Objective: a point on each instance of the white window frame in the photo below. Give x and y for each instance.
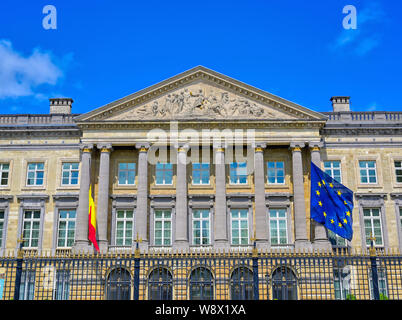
(397, 168)
(2, 171)
(35, 171)
(275, 170)
(367, 169)
(124, 219)
(70, 170)
(201, 170)
(68, 219)
(126, 171)
(163, 170)
(239, 219)
(277, 219)
(200, 220)
(237, 175)
(371, 218)
(331, 169)
(163, 219)
(31, 221)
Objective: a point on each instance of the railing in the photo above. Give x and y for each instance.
(36, 119)
(207, 275)
(374, 116)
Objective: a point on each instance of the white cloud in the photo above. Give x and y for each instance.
(21, 76)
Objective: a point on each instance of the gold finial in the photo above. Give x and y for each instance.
(372, 249)
(20, 252)
(137, 249)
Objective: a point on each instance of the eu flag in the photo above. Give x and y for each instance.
(331, 203)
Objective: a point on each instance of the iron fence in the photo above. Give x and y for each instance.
(202, 276)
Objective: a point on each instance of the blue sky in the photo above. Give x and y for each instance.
(104, 50)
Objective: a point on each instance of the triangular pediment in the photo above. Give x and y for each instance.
(200, 94)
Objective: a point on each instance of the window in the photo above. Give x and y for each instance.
(276, 172)
(126, 174)
(4, 173)
(400, 217)
(66, 230)
(30, 232)
(201, 284)
(201, 173)
(1, 227)
(336, 241)
(398, 171)
(70, 173)
(160, 284)
(342, 279)
(118, 284)
(238, 173)
(368, 172)
(333, 169)
(62, 285)
(27, 286)
(35, 174)
(284, 284)
(124, 227)
(164, 173)
(242, 284)
(239, 223)
(201, 227)
(382, 283)
(163, 228)
(372, 225)
(278, 226)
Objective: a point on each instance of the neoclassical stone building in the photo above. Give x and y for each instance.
(197, 160)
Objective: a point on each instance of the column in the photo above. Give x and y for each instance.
(220, 221)
(301, 240)
(261, 216)
(81, 226)
(181, 238)
(320, 234)
(141, 212)
(103, 195)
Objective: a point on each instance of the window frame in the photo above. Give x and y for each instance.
(201, 170)
(371, 218)
(277, 219)
(163, 220)
(239, 229)
(35, 171)
(367, 169)
(124, 220)
(5, 171)
(275, 170)
(70, 171)
(201, 219)
(236, 175)
(332, 168)
(32, 220)
(59, 219)
(163, 170)
(127, 171)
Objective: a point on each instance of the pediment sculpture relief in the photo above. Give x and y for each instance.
(188, 104)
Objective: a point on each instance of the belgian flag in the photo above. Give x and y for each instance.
(92, 221)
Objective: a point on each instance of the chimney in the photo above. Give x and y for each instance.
(340, 104)
(60, 105)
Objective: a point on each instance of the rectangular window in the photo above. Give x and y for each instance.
(368, 172)
(372, 226)
(239, 226)
(336, 241)
(238, 173)
(69, 174)
(164, 173)
(1, 227)
(27, 286)
(62, 285)
(126, 174)
(201, 227)
(35, 174)
(124, 227)
(66, 230)
(382, 283)
(398, 171)
(201, 173)
(276, 172)
(278, 226)
(31, 226)
(400, 217)
(163, 228)
(4, 173)
(333, 169)
(342, 283)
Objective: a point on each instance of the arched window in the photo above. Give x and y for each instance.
(160, 284)
(241, 284)
(201, 284)
(284, 284)
(118, 284)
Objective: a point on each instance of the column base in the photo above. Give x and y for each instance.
(83, 246)
(221, 244)
(262, 244)
(103, 246)
(322, 244)
(303, 244)
(181, 245)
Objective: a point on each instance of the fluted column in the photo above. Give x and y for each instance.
(261, 216)
(141, 213)
(220, 222)
(320, 234)
(181, 238)
(81, 227)
(103, 195)
(301, 240)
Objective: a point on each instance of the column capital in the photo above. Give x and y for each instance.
(315, 146)
(87, 147)
(297, 146)
(142, 146)
(105, 147)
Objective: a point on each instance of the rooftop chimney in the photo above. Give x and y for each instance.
(60, 105)
(340, 104)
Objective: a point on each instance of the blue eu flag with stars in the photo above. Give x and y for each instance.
(331, 203)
